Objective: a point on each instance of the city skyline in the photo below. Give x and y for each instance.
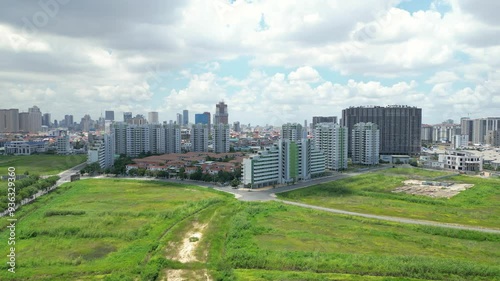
(417, 53)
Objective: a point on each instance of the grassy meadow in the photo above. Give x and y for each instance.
(104, 228)
(39, 164)
(371, 193)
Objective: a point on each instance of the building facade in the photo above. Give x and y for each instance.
(153, 118)
(323, 119)
(399, 125)
(221, 114)
(199, 138)
(221, 138)
(332, 140)
(365, 144)
(9, 120)
(461, 161)
(292, 131)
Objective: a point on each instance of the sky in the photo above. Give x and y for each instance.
(272, 62)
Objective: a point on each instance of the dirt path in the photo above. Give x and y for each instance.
(187, 250)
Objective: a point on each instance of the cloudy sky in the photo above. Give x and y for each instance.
(270, 61)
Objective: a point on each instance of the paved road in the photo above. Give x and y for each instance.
(393, 219)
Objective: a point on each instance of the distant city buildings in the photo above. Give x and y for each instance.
(365, 144)
(221, 138)
(153, 118)
(221, 114)
(292, 131)
(400, 126)
(179, 119)
(9, 120)
(202, 118)
(127, 117)
(109, 115)
(185, 117)
(199, 138)
(323, 119)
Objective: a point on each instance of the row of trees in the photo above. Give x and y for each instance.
(25, 188)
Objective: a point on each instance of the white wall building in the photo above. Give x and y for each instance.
(365, 144)
(461, 161)
(25, 147)
(102, 151)
(263, 168)
(62, 145)
(199, 138)
(460, 141)
(138, 140)
(331, 139)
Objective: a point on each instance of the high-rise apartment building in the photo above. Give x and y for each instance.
(179, 119)
(237, 126)
(199, 138)
(153, 118)
(399, 125)
(332, 140)
(365, 144)
(185, 117)
(46, 120)
(102, 151)
(221, 114)
(324, 119)
(426, 134)
(109, 115)
(209, 119)
(292, 131)
(221, 138)
(68, 121)
(86, 123)
(34, 119)
(138, 140)
(62, 143)
(466, 126)
(24, 122)
(9, 120)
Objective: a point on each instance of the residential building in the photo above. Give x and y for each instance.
(179, 119)
(263, 168)
(9, 120)
(137, 139)
(221, 114)
(24, 122)
(365, 144)
(237, 126)
(120, 133)
(467, 127)
(292, 132)
(139, 119)
(153, 118)
(323, 119)
(399, 125)
(493, 138)
(109, 115)
(102, 151)
(68, 121)
(34, 119)
(46, 120)
(461, 161)
(209, 119)
(445, 132)
(86, 123)
(426, 135)
(221, 138)
(332, 140)
(62, 144)
(460, 141)
(199, 138)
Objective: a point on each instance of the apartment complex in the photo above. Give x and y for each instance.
(399, 125)
(331, 140)
(365, 144)
(221, 138)
(199, 138)
(102, 151)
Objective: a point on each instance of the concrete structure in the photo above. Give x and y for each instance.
(46, 120)
(292, 132)
(24, 122)
(445, 132)
(25, 147)
(237, 126)
(185, 117)
(460, 141)
(263, 168)
(153, 118)
(137, 140)
(9, 120)
(68, 121)
(400, 126)
(323, 119)
(461, 161)
(63, 145)
(221, 114)
(102, 151)
(493, 138)
(426, 134)
(466, 127)
(199, 138)
(109, 115)
(331, 140)
(221, 138)
(34, 119)
(179, 119)
(365, 144)
(139, 119)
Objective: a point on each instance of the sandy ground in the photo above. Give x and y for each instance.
(187, 249)
(186, 275)
(417, 188)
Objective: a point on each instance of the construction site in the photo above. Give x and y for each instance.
(432, 188)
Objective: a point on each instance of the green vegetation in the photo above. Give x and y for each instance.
(283, 238)
(24, 188)
(100, 227)
(40, 164)
(371, 193)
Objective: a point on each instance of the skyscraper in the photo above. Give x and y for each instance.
(199, 138)
(34, 119)
(221, 114)
(209, 119)
(46, 120)
(400, 126)
(185, 117)
(127, 117)
(221, 138)
(292, 132)
(202, 119)
(68, 121)
(109, 115)
(331, 139)
(153, 118)
(179, 119)
(365, 144)
(24, 122)
(9, 120)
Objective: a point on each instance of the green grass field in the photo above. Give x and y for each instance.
(116, 229)
(42, 164)
(100, 228)
(371, 193)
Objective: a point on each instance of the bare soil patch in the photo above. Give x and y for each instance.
(432, 189)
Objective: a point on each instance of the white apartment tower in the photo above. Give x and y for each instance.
(365, 144)
(138, 140)
(221, 138)
(331, 139)
(199, 138)
(291, 131)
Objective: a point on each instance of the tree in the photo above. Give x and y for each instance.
(398, 162)
(414, 163)
(235, 183)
